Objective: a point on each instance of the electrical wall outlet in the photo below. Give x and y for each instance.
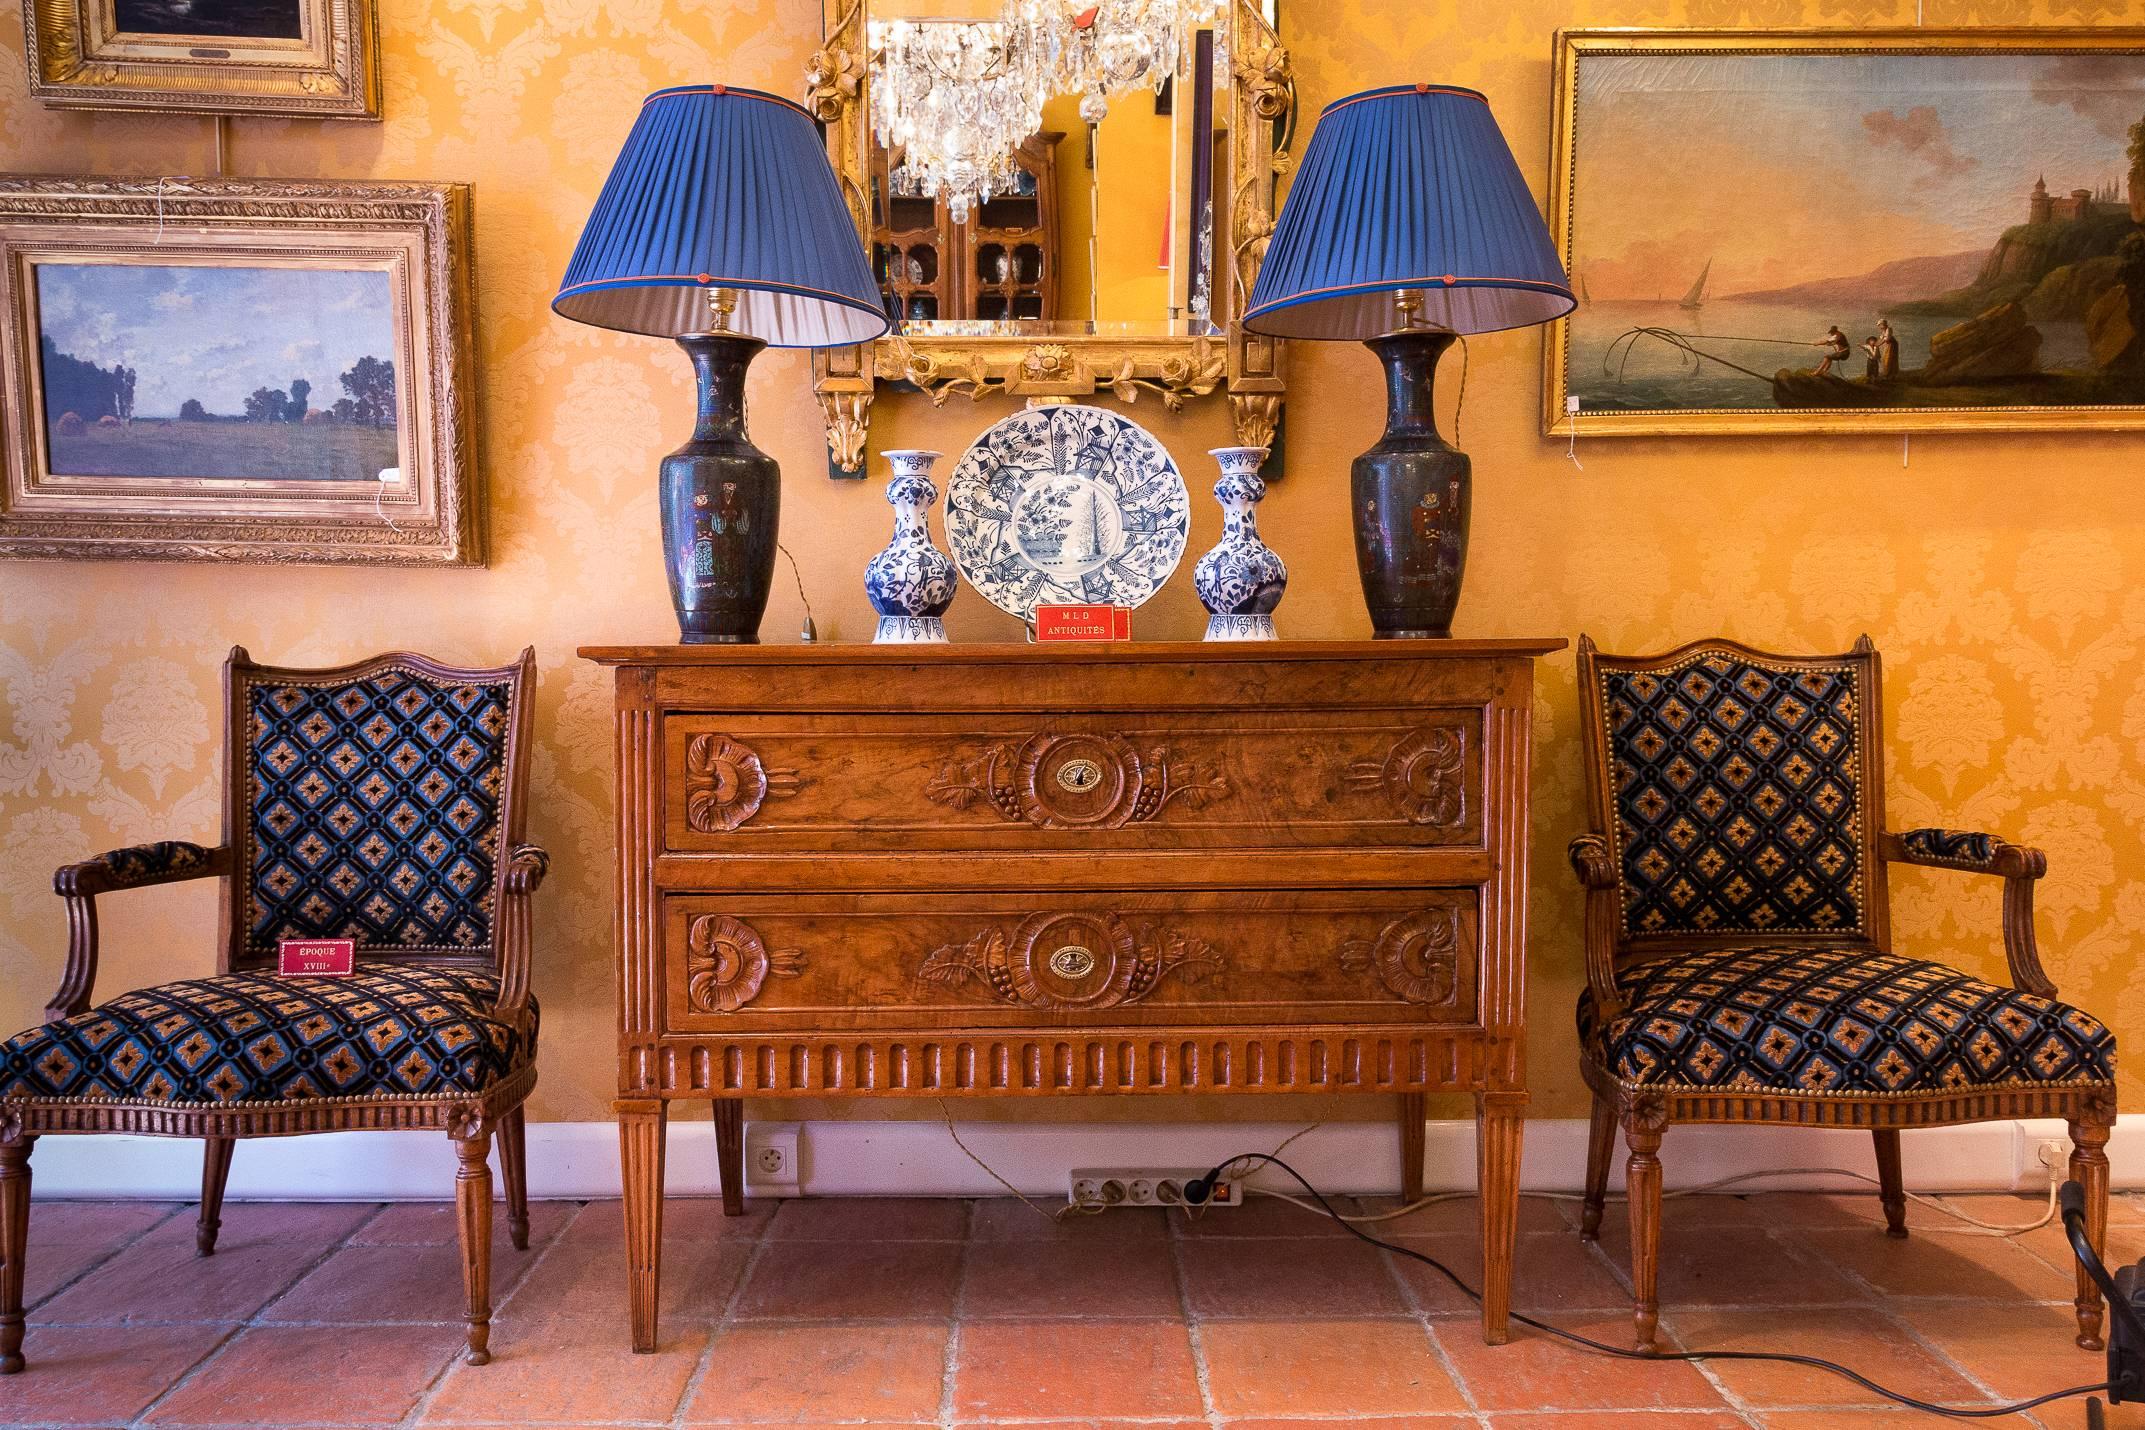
(772, 1166)
(1144, 1187)
(2054, 1153)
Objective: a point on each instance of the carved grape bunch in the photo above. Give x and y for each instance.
(1070, 961)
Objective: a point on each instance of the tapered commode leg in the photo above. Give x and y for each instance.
(730, 1152)
(640, 1149)
(1498, 1127)
(1411, 1146)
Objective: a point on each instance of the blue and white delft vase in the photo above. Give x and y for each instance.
(911, 582)
(1241, 580)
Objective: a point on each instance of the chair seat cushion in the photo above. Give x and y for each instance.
(389, 1030)
(1814, 1021)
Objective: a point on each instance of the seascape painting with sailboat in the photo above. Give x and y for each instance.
(1856, 232)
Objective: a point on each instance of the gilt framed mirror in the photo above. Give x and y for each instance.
(1060, 199)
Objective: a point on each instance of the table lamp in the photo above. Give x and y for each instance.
(1407, 225)
(722, 226)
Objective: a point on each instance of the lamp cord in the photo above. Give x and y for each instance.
(1992, 1412)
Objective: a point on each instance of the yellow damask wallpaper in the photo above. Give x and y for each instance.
(2004, 578)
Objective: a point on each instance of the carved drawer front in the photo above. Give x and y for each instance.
(859, 961)
(1401, 777)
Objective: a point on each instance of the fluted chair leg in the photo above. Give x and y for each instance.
(514, 1170)
(1600, 1143)
(215, 1174)
(473, 1219)
(2089, 1169)
(1891, 1181)
(1642, 1188)
(14, 1241)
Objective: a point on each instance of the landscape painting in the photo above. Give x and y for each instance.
(1879, 231)
(218, 372)
(238, 370)
(249, 19)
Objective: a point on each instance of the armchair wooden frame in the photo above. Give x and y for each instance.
(469, 1122)
(1646, 1112)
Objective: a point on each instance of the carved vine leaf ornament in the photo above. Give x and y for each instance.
(725, 783)
(1053, 781)
(1422, 774)
(1071, 961)
(726, 962)
(1417, 957)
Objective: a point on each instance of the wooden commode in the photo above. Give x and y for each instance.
(1026, 871)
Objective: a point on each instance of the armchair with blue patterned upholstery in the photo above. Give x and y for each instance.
(380, 802)
(1739, 955)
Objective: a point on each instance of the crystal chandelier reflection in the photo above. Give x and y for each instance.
(1099, 49)
(954, 99)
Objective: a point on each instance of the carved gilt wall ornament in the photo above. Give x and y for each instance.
(1073, 781)
(1071, 961)
(725, 783)
(1417, 957)
(1423, 774)
(726, 962)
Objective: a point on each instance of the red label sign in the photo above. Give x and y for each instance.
(1083, 623)
(316, 957)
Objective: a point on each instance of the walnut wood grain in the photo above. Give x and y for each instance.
(1124, 870)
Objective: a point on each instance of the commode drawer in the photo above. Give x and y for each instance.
(1357, 778)
(1218, 958)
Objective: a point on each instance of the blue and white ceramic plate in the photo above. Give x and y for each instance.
(1067, 505)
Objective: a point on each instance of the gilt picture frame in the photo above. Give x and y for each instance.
(310, 58)
(238, 370)
(1862, 231)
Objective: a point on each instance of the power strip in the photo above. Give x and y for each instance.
(1144, 1187)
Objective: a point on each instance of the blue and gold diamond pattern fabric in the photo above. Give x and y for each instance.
(1836, 1020)
(373, 810)
(1738, 807)
(385, 1031)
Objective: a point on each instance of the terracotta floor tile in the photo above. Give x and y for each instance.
(263, 1249)
(873, 1280)
(1397, 1422)
(603, 1223)
(1261, 1216)
(1462, 1216)
(432, 1223)
(1536, 1372)
(68, 1238)
(94, 1375)
(1065, 1279)
(1634, 1420)
(1324, 1368)
(1263, 1279)
(589, 1283)
(1872, 1417)
(1005, 1219)
(392, 1284)
(1982, 1268)
(1867, 1341)
(1075, 1368)
(1552, 1271)
(2017, 1351)
(871, 1219)
(1765, 1210)
(354, 1375)
(1718, 1266)
(567, 1371)
(797, 1373)
(2126, 1239)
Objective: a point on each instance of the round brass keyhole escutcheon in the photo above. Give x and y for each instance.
(1072, 961)
(1078, 776)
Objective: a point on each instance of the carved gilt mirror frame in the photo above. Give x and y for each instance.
(1246, 367)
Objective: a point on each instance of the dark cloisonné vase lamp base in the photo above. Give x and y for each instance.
(1407, 225)
(722, 226)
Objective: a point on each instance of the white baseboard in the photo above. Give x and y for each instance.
(580, 1159)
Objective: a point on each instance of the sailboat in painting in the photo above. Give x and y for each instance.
(1696, 298)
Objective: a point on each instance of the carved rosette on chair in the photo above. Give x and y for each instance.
(722, 226)
(911, 582)
(1408, 225)
(1240, 580)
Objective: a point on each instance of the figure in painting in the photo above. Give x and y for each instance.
(1870, 352)
(1887, 350)
(1836, 348)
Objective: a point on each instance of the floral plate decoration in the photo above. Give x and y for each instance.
(1067, 505)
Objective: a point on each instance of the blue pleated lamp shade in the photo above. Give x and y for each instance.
(1410, 188)
(723, 188)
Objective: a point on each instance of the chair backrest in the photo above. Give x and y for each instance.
(1741, 793)
(376, 801)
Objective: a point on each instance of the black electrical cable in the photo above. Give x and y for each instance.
(1197, 1192)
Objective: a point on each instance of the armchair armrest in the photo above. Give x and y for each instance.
(526, 865)
(139, 866)
(2018, 865)
(1596, 868)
